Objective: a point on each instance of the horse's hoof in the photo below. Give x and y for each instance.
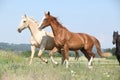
(90, 67)
(46, 62)
(56, 63)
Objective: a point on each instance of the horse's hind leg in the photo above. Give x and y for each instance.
(92, 55)
(76, 55)
(89, 55)
(86, 54)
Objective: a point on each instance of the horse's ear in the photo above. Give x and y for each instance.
(48, 13)
(117, 32)
(25, 15)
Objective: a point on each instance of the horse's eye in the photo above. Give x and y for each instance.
(24, 21)
(46, 19)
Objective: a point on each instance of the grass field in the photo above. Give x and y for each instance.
(15, 67)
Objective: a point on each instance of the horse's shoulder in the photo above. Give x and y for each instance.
(32, 38)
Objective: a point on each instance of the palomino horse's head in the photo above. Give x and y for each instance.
(23, 23)
(115, 36)
(46, 21)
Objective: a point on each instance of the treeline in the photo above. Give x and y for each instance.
(25, 49)
(14, 47)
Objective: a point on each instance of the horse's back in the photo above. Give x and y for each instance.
(88, 40)
(50, 34)
(86, 37)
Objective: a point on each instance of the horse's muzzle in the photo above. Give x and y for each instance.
(113, 42)
(40, 28)
(19, 30)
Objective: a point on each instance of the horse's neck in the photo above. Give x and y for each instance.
(56, 28)
(36, 34)
(33, 27)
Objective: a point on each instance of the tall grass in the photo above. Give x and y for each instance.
(15, 67)
(45, 54)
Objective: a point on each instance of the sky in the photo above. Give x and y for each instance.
(98, 18)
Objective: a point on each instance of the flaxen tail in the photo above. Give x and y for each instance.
(98, 47)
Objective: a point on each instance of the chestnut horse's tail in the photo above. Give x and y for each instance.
(98, 47)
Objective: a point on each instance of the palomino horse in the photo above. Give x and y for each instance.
(116, 40)
(69, 40)
(39, 39)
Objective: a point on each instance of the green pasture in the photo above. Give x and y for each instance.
(14, 66)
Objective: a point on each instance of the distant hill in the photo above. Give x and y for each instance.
(14, 47)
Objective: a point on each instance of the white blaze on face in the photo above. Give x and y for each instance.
(41, 21)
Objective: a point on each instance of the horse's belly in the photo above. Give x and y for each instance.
(34, 43)
(59, 44)
(50, 44)
(75, 46)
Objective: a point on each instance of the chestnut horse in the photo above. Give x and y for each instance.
(39, 39)
(65, 39)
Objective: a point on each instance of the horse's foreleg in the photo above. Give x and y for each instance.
(51, 55)
(118, 58)
(32, 53)
(40, 54)
(63, 56)
(66, 49)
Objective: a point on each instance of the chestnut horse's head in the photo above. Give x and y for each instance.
(115, 37)
(46, 21)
